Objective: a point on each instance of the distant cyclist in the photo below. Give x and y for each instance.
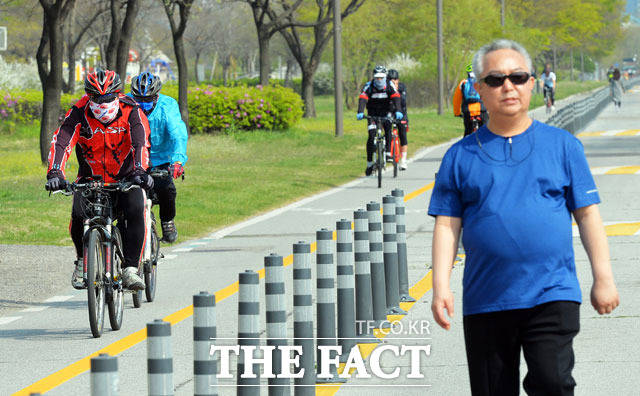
(377, 95)
(403, 127)
(548, 79)
(467, 103)
(111, 137)
(168, 144)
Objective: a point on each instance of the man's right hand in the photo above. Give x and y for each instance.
(55, 184)
(360, 116)
(442, 300)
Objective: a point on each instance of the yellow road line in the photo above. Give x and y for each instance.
(84, 364)
(624, 170)
(628, 132)
(598, 133)
(622, 229)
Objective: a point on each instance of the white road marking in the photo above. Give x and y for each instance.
(35, 309)
(8, 319)
(169, 256)
(178, 250)
(58, 299)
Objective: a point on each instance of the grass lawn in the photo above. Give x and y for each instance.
(228, 178)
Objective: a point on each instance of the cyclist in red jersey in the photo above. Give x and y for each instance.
(111, 136)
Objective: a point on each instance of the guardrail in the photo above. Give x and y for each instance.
(576, 115)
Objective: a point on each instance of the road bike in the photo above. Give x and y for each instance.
(103, 250)
(151, 250)
(380, 143)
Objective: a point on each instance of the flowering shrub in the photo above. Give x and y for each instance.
(16, 75)
(25, 107)
(224, 109)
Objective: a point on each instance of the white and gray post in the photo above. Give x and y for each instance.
(104, 375)
(364, 305)
(248, 330)
(276, 320)
(326, 303)
(346, 288)
(391, 255)
(205, 365)
(376, 259)
(403, 266)
(303, 318)
(159, 358)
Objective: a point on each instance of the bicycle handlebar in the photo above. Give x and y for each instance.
(160, 173)
(385, 118)
(70, 188)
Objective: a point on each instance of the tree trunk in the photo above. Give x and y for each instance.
(128, 25)
(114, 37)
(71, 82)
(195, 67)
(183, 78)
(570, 64)
(50, 70)
(265, 57)
(581, 64)
(307, 93)
(213, 66)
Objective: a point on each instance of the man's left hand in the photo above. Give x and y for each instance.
(604, 296)
(176, 170)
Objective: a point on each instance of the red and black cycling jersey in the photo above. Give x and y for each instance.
(378, 101)
(402, 90)
(112, 151)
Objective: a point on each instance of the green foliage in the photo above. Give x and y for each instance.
(226, 109)
(25, 107)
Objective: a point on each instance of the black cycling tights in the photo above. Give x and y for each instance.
(166, 191)
(132, 205)
(371, 148)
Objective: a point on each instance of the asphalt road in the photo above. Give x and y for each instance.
(46, 341)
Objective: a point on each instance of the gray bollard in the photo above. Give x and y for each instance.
(248, 330)
(159, 358)
(364, 307)
(376, 258)
(346, 288)
(403, 267)
(104, 375)
(205, 365)
(276, 320)
(391, 255)
(326, 303)
(303, 318)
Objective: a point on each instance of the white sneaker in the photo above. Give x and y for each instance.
(553, 108)
(389, 157)
(403, 165)
(131, 280)
(77, 280)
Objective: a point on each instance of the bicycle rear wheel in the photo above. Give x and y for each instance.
(95, 284)
(116, 304)
(151, 269)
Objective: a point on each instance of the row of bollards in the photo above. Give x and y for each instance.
(372, 279)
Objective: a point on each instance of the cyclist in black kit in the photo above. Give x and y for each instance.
(403, 127)
(377, 95)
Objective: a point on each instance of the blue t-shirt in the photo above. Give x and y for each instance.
(515, 198)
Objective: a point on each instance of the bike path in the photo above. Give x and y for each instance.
(52, 344)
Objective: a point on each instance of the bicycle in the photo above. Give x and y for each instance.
(151, 251)
(395, 148)
(103, 250)
(379, 141)
(547, 99)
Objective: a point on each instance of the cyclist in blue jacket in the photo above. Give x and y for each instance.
(168, 144)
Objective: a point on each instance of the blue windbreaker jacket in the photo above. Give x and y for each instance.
(168, 132)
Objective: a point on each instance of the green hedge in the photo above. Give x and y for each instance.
(211, 109)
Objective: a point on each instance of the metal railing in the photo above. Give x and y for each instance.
(576, 115)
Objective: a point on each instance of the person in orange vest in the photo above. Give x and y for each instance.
(468, 104)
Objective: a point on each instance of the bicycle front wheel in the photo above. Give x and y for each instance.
(395, 153)
(116, 303)
(95, 283)
(151, 269)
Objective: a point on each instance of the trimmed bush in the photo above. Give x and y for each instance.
(227, 109)
(211, 109)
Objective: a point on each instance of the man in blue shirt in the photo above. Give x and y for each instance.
(168, 144)
(513, 185)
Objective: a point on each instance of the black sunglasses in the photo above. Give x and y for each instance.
(104, 98)
(145, 99)
(496, 80)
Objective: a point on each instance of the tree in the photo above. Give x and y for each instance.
(308, 60)
(120, 38)
(177, 31)
(49, 59)
(269, 20)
